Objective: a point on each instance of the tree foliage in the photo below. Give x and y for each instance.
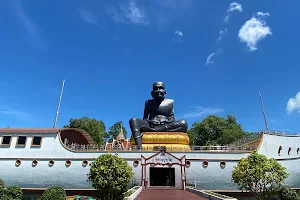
(54, 193)
(214, 130)
(259, 175)
(10, 193)
(14, 191)
(110, 176)
(288, 194)
(1, 184)
(95, 128)
(115, 129)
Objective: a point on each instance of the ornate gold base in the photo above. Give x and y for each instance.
(174, 141)
(170, 147)
(164, 138)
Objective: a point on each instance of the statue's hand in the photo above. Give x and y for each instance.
(156, 123)
(150, 122)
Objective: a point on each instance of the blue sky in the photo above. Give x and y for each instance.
(214, 57)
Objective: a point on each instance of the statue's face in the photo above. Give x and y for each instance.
(158, 91)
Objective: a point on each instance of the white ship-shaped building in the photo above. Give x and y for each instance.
(36, 159)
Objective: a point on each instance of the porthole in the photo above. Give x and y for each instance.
(279, 150)
(289, 151)
(18, 163)
(68, 163)
(205, 163)
(135, 163)
(51, 163)
(85, 163)
(34, 163)
(187, 163)
(298, 150)
(222, 164)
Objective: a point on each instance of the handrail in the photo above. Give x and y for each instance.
(96, 147)
(223, 148)
(245, 140)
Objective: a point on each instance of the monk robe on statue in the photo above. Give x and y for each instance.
(158, 116)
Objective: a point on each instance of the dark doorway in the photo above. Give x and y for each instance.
(160, 176)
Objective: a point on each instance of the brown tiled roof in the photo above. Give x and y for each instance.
(29, 130)
(47, 131)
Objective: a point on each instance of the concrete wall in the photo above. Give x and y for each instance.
(75, 176)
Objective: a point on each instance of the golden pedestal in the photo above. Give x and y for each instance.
(174, 141)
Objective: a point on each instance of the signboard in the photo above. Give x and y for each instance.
(159, 148)
(163, 158)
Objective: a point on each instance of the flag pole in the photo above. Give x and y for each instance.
(59, 101)
(263, 111)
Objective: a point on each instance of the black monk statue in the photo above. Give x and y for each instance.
(158, 116)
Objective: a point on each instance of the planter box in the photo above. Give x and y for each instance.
(135, 194)
(207, 195)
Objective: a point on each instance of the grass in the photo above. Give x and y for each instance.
(131, 191)
(128, 193)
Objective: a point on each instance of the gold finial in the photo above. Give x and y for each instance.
(121, 134)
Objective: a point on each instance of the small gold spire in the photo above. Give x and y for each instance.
(121, 136)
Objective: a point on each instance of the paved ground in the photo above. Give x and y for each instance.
(153, 194)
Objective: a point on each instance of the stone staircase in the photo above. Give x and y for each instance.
(165, 193)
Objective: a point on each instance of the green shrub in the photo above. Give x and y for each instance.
(1, 184)
(10, 193)
(110, 175)
(257, 169)
(6, 197)
(288, 194)
(54, 193)
(14, 191)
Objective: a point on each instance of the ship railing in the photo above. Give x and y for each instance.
(247, 139)
(191, 183)
(96, 147)
(134, 182)
(282, 132)
(223, 148)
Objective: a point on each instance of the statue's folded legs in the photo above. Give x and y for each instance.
(138, 126)
(158, 116)
(135, 126)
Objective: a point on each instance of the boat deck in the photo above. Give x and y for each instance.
(160, 193)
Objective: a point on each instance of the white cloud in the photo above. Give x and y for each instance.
(198, 111)
(263, 14)
(157, 12)
(222, 32)
(89, 16)
(16, 114)
(32, 29)
(234, 6)
(178, 33)
(293, 104)
(254, 30)
(129, 13)
(226, 19)
(208, 59)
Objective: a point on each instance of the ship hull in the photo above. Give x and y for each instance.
(216, 175)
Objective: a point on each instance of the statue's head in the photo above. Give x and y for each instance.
(158, 90)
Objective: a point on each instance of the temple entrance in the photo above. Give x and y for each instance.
(162, 176)
(161, 168)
